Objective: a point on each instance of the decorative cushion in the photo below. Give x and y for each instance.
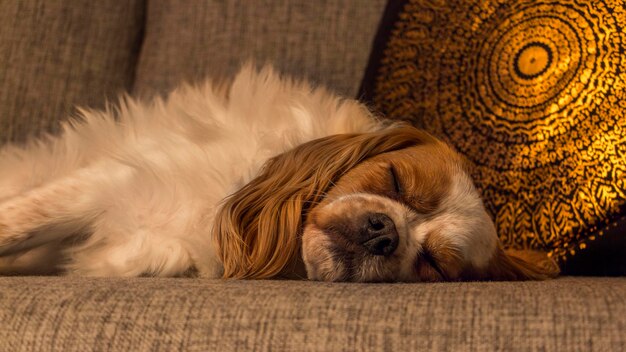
(533, 94)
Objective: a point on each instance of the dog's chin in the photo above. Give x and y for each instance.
(320, 262)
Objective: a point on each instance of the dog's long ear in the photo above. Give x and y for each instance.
(521, 265)
(257, 229)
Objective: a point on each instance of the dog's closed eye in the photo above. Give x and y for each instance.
(430, 259)
(395, 180)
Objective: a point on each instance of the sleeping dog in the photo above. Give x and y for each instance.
(263, 177)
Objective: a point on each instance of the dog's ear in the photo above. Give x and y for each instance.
(521, 265)
(257, 229)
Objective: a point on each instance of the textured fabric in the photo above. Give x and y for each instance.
(74, 314)
(325, 41)
(533, 95)
(55, 54)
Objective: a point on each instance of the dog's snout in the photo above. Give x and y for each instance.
(380, 235)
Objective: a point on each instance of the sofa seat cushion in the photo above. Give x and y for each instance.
(141, 314)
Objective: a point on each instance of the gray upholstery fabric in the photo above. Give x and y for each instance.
(326, 41)
(78, 314)
(55, 54)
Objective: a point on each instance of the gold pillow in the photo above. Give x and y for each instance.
(532, 93)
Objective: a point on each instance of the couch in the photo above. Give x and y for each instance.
(56, 55)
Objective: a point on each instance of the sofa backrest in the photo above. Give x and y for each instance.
(56, 55)
(326, 41)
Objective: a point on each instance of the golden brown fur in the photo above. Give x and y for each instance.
(258, 227)
(258, 230)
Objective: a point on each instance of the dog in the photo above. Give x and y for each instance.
(262, 177)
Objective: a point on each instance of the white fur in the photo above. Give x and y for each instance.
(145, 180)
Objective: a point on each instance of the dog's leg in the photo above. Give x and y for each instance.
(132, 236)
(57, 209)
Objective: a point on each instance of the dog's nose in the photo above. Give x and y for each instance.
(381, 237)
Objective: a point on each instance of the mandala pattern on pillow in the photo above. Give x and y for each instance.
(532, 93)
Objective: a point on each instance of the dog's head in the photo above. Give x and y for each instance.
(392, 205)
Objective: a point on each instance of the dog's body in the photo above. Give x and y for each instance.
(143, 190)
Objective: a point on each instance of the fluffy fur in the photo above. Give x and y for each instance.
(260, 178)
